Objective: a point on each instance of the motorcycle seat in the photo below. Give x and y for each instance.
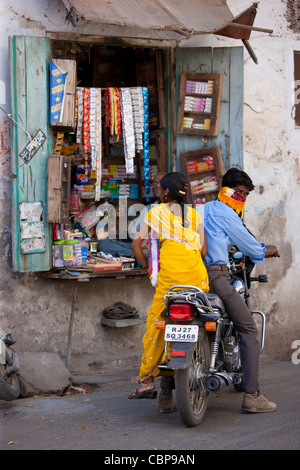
(216, 302)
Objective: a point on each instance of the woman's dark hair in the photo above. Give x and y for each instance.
(177, 185)
(235, 177)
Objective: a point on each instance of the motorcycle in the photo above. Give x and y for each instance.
(9, 368)
(201, 343)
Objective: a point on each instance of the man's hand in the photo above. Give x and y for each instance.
(270, 250)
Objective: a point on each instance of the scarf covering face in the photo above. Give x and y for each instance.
(232, 199)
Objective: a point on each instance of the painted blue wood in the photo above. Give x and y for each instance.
(229, 61)
(29, 59)
(236, 115)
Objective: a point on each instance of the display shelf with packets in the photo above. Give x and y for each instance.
(204, 170)
(199, 103)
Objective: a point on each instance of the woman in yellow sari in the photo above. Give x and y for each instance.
(179, 229)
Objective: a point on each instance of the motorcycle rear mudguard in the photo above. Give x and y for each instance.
(180, 356)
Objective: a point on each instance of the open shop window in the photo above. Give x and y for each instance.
(109, 144)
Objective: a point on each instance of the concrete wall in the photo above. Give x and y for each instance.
(271, 157)
(37, 311)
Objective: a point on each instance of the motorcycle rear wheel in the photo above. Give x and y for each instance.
(191, 395)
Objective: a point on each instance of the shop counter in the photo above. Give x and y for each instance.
(85, 276)
(81, 275)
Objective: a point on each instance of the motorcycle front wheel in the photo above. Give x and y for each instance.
(191, 395)
(9, 384)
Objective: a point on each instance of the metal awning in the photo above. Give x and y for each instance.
(184, 17)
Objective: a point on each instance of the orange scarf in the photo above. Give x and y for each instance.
(232, 199)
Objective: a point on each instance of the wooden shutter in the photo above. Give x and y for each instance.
(29, 59)
(229, 62)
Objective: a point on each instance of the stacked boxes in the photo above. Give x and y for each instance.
(207, 164)
(201, 88)
(208, 183)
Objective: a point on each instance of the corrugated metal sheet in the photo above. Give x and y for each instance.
(184, 17)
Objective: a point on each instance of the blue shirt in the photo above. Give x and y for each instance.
(224, 228)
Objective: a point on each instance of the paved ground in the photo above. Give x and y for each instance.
(106, 420)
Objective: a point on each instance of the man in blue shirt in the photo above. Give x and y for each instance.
(223, 228)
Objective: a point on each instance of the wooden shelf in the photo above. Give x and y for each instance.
(191, 159)
(201, 172)
(208, 95)
(200, 117)
(205, 192)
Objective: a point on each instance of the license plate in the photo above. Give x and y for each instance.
(182, 333)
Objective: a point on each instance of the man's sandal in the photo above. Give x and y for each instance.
(150, 394)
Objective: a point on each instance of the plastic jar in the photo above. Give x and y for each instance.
(68, 253)
(81, 251)
(58, 254)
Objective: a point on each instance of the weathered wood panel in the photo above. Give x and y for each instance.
(229, 62)
(58, 189)
(29, 58)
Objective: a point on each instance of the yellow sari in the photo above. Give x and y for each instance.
(180, 263)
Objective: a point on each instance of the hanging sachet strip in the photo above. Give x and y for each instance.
(76, 108)
(146, 154)
(79, 95)
(128, 129)
(117, 112)
(93, 127)
(138, 115)
(106, 100)
(86, 128)
(111, 94)
(98, 144)
(59, 143)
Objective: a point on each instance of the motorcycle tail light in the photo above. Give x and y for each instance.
(181, 312)
(179, 353)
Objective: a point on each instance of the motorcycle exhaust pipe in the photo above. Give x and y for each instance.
(216, 382)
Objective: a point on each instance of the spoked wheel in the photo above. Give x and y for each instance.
(9, 384)
(191, 395)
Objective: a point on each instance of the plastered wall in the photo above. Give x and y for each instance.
(37, 311)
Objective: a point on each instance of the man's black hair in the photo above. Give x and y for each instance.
(235, 177)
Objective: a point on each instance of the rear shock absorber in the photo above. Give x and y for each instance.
(214, 348)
